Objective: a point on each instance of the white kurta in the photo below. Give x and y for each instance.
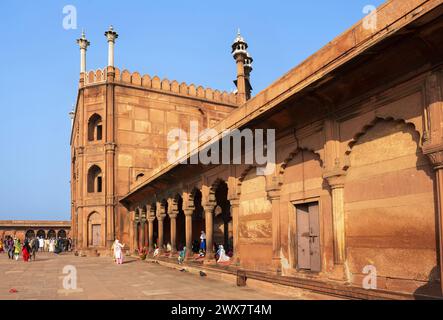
(118, 250)
(222, 255)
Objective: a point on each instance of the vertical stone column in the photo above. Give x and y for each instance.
(436, 158)
(160, 218)
(173, 217)
(209, 217)
(151, 220)
(433, 148)
(274, 197)
(78, 239)
(336, 182)
(83, 43)
(110, 200)
(188, 226)
(135, 232)
(111, 36)
(235, 208)
(143, 234)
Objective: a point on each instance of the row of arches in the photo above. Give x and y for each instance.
(171, 223)
(51, 233)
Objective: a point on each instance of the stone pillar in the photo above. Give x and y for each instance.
(436, 158)
(433, 147)
(188, 225)
(110, 203)
(274, 197)
(151, 220)
(173, 217)
(336, 182)
(235, 208)
(209, 217)
(143, 234)
(83, 43)
(111, 36)
(160, 218)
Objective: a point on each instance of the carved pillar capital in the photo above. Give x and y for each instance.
(173, 215)
(335, 178)
(189, 211)
(435, 154)
(110, 147)
(209, 206)
(235, 202)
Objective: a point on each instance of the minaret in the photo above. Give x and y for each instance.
(248, 70)
(240, 54)
(83, 44)
(111, 35)
(72, 115)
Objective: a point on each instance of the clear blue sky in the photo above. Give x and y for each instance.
(183, 40)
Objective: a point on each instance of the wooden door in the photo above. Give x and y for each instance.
(308, 237)
(96, 235)
(314, 237)
(303, 248)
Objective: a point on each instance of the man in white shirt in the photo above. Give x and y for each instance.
(41, 244)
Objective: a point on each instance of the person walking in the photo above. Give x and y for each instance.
(17, 248)
(34, 248)
(10, 248)
(118, 252)
(26, 251)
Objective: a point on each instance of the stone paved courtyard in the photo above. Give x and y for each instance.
(100, 278)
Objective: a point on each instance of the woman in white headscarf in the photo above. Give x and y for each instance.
(222, 257)
(118, 252)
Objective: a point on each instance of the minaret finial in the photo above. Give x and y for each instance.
(111, 36)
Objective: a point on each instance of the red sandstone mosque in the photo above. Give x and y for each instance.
(358, 178)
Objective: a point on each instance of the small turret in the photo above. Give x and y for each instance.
(240, 55)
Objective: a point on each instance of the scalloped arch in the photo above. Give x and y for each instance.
(370, 125)
(293, 154)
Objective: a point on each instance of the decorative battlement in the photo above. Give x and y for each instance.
(155, 83)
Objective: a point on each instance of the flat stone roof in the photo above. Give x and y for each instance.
(35, 223)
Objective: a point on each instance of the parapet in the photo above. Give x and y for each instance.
(155, 83)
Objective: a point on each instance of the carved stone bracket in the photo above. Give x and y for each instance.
(110, 147)
(335, 178)
(435, 155)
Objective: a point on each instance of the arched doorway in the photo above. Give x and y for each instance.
(30, 234)
(94, 230)
(51, 234)
(41, 234)
(61, 234)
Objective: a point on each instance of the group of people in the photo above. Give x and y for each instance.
(221, 255)
(14, 247)
(55, 245)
